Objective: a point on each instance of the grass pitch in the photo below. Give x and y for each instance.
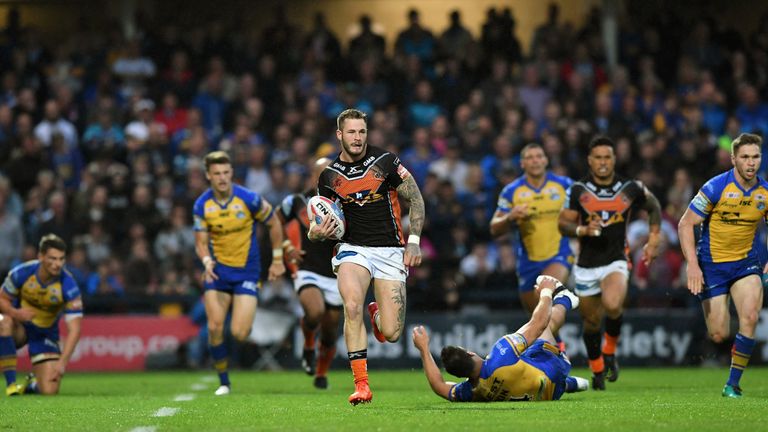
(642, 400)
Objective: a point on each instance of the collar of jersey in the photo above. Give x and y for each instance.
(223, 205)
(746, 193)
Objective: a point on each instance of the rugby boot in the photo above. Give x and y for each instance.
(730, 391)
(321, 382)
(362, 393)
(598, 381)
(373, 311)
(308, 361)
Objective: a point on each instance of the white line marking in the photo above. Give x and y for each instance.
(144, 429)
(165, 412)
(198, 387)
(208, 379)
(184, 397)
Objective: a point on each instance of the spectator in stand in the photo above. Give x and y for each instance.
(53, 123)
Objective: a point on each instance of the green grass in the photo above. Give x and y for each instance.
(661, 399)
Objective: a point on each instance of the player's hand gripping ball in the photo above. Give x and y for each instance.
(320, 207)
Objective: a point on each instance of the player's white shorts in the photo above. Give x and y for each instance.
(381, 262)
(588, 279)
(327, 285)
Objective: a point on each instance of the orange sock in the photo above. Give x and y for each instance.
(324, 359)
(309, 336)
(610, 344)
(359, 369)
(597, 365)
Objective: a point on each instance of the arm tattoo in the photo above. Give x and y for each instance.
(398, 298)
(653, 208)
(410, 191)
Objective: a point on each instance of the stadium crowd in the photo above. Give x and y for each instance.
(102, 137)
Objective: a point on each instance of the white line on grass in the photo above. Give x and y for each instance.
(198, 387)
(184, 397)
(208, 379)
(144, 429)
(165, 412)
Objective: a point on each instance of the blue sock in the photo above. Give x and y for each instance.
(220, 362)
(564, 301)
(570, 384)
(740, 354)
(8, 359)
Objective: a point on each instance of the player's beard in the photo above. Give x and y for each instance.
(354, 152)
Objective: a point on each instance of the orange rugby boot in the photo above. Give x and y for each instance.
(362, 393)
(373, 310)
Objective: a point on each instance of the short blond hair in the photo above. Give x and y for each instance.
(350, 113)
(215, 158)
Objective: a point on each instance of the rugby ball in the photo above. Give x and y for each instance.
(320, 207)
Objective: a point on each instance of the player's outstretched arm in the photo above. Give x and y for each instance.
(688, 244)
(541, 314)
(652, 206)
(409, 190)
(435, 378)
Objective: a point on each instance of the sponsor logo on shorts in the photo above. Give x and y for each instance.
(250, 286)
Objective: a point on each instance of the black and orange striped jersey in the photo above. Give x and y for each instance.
(612, 205)
(367, 192)
(318, 254)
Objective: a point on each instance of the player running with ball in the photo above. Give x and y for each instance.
(368, 181)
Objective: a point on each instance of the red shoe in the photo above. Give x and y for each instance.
(373, 310)
(362, 393)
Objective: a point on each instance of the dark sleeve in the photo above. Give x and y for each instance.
(324, 185)
(639, 200)
(394, 170)
(287, 208)
(572, 198)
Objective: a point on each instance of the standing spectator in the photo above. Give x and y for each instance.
(54, 123)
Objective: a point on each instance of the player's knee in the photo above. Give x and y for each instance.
(718, 336)
(215, 328)
(48, 388)
(241, 333)
(392, 337)
(749, 319)
(312, 317)
(353, 310)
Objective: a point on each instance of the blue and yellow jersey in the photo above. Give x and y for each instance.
(731, 216)
(232, 226)
(513, 371)
(540, 238)
(48, 301)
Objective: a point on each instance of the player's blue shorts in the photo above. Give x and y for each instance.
(43, 343)
(527, 270)
(235, 281)
(554, 365)
(718, 277)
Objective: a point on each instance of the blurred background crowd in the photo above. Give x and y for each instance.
(102, 136)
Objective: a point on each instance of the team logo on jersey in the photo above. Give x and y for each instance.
(555, 196)
(733, 194)
(363, 197)
(761, 206)
(240, 215)
(237, 207)
(53, 299)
